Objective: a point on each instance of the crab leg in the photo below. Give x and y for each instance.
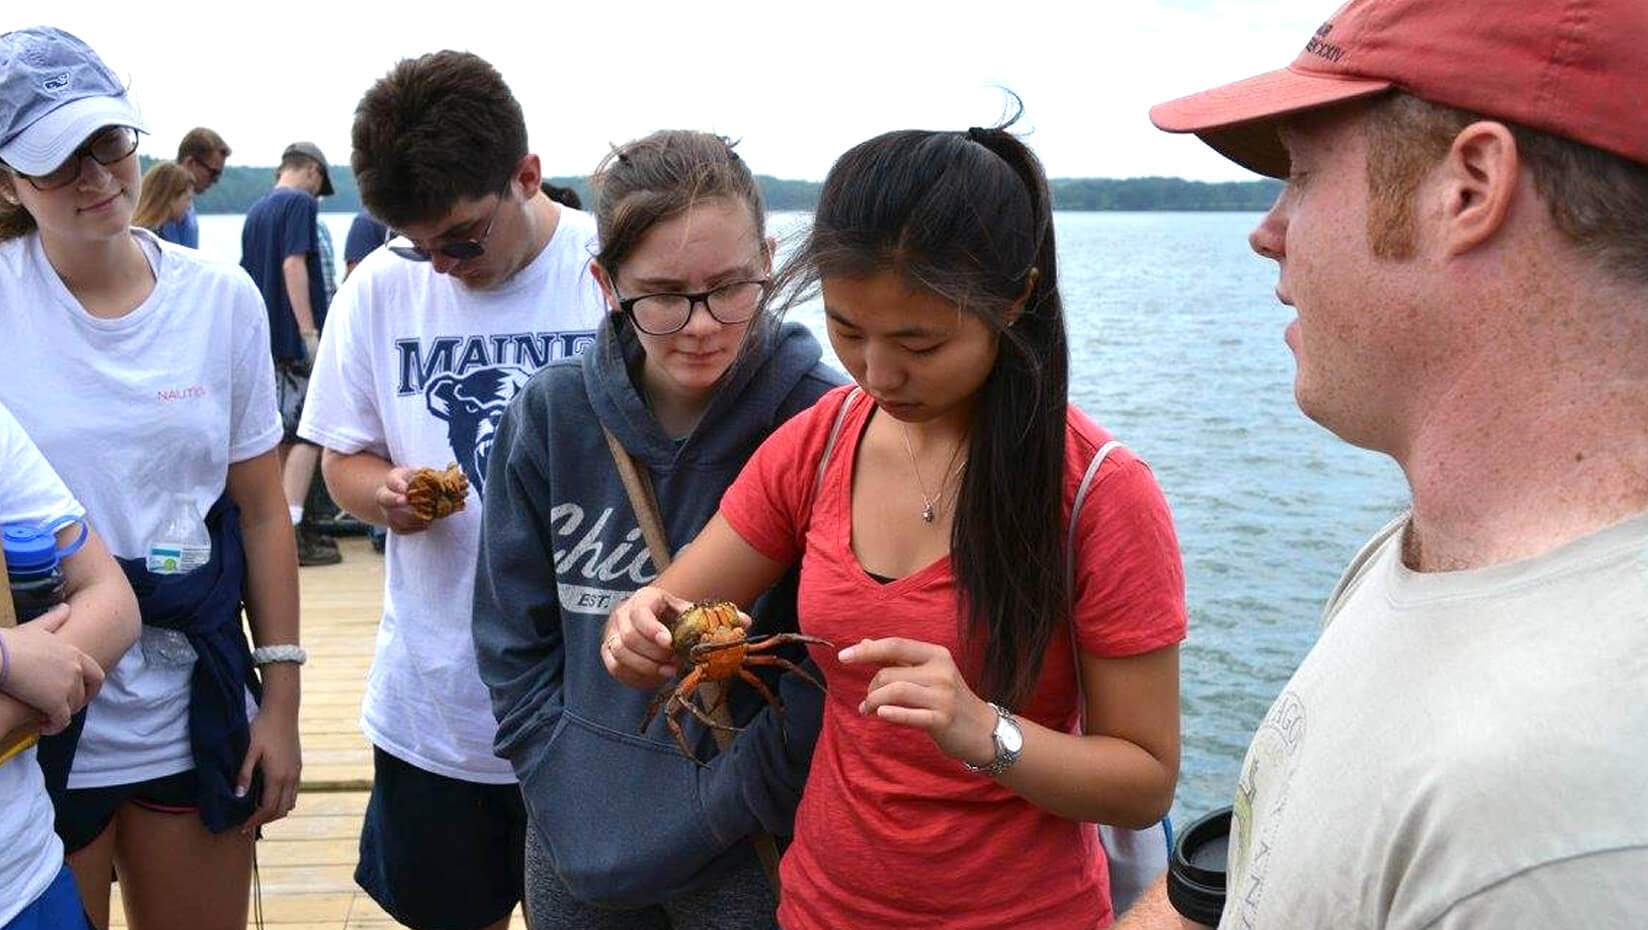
(785, 664)
(763, 643)
(665, 693)
(670, 717)
(684, 695)
(772, 701)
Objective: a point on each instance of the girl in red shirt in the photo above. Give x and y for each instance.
(1005, 668)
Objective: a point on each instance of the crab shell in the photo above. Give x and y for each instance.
(708, 621)
(435, 494)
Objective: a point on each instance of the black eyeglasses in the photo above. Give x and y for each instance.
(109, 145)
(457, 249)
(212, 174)
(662, 314)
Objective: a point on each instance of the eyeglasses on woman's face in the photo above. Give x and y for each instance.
(455, 249)
(107, 146)
(663, 314)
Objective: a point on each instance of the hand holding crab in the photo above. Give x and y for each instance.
(710, 638)
(433, 494)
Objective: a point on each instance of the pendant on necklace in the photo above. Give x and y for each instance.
(927, 514)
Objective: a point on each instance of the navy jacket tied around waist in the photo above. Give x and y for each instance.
(203, 605)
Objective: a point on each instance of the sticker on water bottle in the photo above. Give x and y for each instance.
(165, 560)
(176, 558)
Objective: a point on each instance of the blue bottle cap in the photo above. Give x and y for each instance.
(30, 549)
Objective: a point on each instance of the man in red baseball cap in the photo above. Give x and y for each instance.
(1464, 235)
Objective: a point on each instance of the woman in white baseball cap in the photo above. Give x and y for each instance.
(148, 388)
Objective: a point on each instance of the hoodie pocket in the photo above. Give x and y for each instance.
(619, 814)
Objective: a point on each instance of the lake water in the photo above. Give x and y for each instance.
(1176, 347)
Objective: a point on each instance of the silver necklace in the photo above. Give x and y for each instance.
(928, 503)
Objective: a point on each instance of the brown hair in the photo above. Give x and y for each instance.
(199, 143)
(435, 130)
(1597, 200)
(161, 185)
(15, 221)
(653, 179)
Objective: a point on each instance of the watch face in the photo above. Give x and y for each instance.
(1012, 740)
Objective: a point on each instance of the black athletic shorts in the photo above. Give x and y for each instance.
(440, 853)
(86, 812)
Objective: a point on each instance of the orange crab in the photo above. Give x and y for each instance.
(708, 637)
(433, 494)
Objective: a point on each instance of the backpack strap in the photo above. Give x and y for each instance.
(835, 435)
(1075, 512)
(1082, 491)
(1133, 857)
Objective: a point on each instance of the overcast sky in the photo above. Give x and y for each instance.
(798, 83)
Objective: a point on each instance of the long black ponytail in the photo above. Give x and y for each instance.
(967, 216)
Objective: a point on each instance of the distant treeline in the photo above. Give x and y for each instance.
(241, 186)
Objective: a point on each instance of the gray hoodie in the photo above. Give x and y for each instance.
(627, 820)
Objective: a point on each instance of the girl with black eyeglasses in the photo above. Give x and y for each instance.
(688, 374)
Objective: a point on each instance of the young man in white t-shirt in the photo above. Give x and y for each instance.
(426, 343)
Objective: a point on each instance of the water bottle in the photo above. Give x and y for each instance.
(33, 565)
(35, 577)
(182, 544)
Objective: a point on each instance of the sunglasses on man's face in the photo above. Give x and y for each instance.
(455, 249)
(107, 146)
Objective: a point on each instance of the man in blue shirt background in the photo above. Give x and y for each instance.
(365, 235)
(280, 249)
(202, 153)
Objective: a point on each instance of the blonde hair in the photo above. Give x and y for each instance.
(200, 143)
(1597, 200)
(161, 186)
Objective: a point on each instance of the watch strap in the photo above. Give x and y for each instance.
(1003, 759)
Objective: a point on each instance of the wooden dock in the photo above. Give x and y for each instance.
(307, 861)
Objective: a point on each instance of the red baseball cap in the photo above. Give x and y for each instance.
(1573, 68)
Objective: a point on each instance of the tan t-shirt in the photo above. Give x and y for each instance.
(1459, 749)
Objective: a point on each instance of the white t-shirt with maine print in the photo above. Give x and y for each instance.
(417, 368)
(30, 853)
(130, 411)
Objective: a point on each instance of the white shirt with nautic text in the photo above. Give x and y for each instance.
(129, 411)
(417, 368)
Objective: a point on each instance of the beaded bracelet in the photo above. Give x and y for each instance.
(286, 652)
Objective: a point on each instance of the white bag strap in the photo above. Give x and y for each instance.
(835, 434)
(1070, 562)
(1134, 857)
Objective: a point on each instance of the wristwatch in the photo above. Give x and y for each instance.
(1009, 741)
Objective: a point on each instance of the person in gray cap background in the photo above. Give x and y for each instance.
(280, 248)
(139, 369)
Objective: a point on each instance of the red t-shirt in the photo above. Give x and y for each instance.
(891, 832)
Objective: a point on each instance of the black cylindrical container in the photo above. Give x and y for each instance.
(1196, 870)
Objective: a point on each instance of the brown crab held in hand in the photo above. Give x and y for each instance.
(435, 494)
(709, 638)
